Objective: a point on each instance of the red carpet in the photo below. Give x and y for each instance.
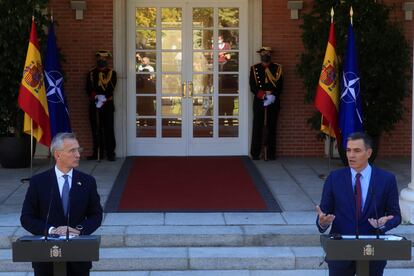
(189, 184)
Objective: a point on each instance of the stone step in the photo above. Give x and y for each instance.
(387, 272)
(201, 258)
(193, 236)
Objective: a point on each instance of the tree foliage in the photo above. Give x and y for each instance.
(14, 38)
(383, 57)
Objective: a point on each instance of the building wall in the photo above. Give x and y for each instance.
(79, 40)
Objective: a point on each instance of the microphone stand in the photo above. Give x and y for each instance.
(356, 214)
(46, 231)
(67, 222)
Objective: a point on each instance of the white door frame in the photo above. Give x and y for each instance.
(121, 65)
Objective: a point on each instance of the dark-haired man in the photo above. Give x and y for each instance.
(348, 200)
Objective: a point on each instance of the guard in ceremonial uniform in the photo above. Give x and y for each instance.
(266, 83)
(100, 86)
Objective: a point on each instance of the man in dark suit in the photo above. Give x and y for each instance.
(355, 195)
(266, 83)
(62, 192)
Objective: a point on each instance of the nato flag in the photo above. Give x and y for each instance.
(58, 110)
(350, 109)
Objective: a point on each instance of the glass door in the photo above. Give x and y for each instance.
(186, 89)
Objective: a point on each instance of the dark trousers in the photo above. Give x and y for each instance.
(258, 127)
(346, 268)
(72, 269)
(102, 125)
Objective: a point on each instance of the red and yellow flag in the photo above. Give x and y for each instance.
(32, 93)
(327, 93)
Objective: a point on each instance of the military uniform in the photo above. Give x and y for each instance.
(265, 78)
(102, 81)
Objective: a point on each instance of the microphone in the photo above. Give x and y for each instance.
(46, 231)
(356, 214)
(67, 222)
(375, 210)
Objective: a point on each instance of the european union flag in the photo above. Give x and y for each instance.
(350, 109)
(58, 110)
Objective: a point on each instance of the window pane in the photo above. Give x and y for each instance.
(171, 106)
(146, 127)
(203, 17)
(228, 17)
(146, 105)
(232, 63)
(231, 37)
(228, 106)
(171, 17)
(228, 84)
(171, 61)
(145, 61)
(202, 39)
(171, 40)
(202, 128)
(171, 127)
(203, 84)
(145, 84)
(202, 62)
(229, 127)
(171, 84)
(146, 17)
(202, 106)
(145, 39)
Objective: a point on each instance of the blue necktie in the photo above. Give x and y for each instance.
(65, 194)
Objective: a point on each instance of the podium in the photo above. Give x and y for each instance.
(365, 249)
(57, 251)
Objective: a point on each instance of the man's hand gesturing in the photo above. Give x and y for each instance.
(324, 219)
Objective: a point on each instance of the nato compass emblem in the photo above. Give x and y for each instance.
(54, 80)
(351, 89)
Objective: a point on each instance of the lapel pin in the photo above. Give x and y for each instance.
(79, 184)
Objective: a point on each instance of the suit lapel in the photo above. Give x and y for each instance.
(349, 190)
(369, 194)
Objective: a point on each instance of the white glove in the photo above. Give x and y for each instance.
(100, 100)
(269, 99)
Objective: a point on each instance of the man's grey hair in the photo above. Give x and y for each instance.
(57, 141)
(361, 135)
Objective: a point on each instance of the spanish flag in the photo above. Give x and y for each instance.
(327, 93)
(32, 94)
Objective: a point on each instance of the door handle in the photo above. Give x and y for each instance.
(184, 89)
(190, 88)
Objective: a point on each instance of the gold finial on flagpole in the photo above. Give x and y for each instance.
(332, 14)
(351, 13)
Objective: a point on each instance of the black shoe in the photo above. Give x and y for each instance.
(254, 157)
(111, 158)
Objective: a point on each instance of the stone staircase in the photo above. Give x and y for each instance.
(199, 250)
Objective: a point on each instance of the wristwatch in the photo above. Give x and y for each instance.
(79, 228)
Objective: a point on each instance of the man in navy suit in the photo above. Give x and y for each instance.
(354, 195)
(62, 192)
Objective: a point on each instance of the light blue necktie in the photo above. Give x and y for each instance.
(65, 194)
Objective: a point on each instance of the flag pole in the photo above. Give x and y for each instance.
(23, 180)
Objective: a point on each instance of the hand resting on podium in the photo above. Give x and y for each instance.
(61, 230)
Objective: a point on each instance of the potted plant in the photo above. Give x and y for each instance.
(14, 41)
(383, 57)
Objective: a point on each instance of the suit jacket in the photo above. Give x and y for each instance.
(84, 208)
(338, 199)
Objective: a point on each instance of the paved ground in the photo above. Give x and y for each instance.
(295, 182)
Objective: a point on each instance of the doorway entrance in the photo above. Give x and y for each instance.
(187, 78)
